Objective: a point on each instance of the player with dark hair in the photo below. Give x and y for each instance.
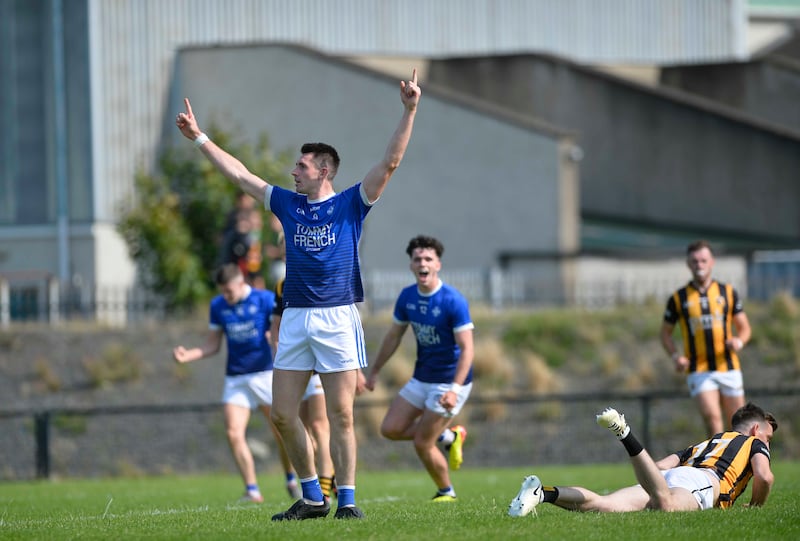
(241, 313)
(712, 473)
(321, 328)
(442, 379)
(707, 312)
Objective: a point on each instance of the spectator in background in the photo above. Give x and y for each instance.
(236, 242)
(254, 258)
(243, 201)
(708, 311)
(276, 253)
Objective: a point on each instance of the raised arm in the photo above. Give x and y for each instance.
(379, 175)
(233, 169)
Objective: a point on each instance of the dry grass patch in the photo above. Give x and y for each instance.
(491, 367)
(539, 377)
(47, 375)
(642, 376)
(118, 363)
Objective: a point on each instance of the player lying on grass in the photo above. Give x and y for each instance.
(712, 473)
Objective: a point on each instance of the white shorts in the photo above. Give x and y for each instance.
(728, 383)
(423, 395)
(323, 339)
(314, 387)
(695, 480)
(248, 390)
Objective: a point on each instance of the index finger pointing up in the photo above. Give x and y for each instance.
(188, 106)
(414, 76)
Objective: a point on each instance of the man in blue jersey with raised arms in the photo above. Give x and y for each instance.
(241, 313)
(442, 379)
(321, 328)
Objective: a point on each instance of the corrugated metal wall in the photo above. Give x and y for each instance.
(133, 44)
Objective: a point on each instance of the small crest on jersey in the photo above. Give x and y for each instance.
(436, 311)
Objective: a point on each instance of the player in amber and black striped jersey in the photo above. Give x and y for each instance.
(707, 312)
(710, 474)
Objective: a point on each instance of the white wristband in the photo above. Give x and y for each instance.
(455, 387)
(737, 343)
(201, 140)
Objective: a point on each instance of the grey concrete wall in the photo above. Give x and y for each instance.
(481, 181)
(768, 88)
(651, 156)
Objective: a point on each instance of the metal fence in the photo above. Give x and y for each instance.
(505, 430)
(44, 299)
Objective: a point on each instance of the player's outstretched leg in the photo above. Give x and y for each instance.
(529, 496)
(614, 421)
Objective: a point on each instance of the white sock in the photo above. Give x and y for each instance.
(447, 437)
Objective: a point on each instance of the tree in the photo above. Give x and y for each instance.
(174, 223)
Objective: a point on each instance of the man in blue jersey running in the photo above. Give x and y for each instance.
(241, 313)
(442, 380)
(321, 328)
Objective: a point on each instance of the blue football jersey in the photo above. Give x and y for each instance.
(435, 319)
(245, 325)
(322, 263)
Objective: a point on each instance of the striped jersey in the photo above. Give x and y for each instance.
(435, 317)
(728, 454)
(322, 263)
(705, 320)
(245, 325)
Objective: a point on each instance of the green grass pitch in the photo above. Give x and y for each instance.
(396, 504)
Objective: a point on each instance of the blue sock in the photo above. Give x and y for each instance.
(290, 476)
(347, 495)
(311, 489)
(252, 488)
